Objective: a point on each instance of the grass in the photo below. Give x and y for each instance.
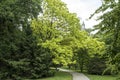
(59, 76)
(98, 77)
(105, 77)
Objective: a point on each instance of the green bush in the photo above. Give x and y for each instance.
(97, 66)
(33, 68)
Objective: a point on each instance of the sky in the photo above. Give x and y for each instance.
(83, 9)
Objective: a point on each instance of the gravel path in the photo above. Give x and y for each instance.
(76, 75)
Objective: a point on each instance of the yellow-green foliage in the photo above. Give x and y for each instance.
(94, 46)
(60, 31)
(62, 54)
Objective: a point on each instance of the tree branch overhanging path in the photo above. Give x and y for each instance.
(76, 75)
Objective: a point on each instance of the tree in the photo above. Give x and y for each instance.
(52, 29)
(83, 58)
(12, 18)
(60, 31)
(97, 65)
(87, 48)
(109, 27)
(18, 47)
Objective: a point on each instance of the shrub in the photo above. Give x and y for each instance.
(97, 66)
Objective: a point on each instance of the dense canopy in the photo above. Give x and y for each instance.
(37, 36)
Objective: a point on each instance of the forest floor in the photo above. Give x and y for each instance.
(76, 75)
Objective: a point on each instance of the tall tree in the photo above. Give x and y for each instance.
(53, 26)
(109, 27)
(19, 53)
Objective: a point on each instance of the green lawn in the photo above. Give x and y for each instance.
(59, 76)
(98, 77)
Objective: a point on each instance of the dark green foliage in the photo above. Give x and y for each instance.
(20, 54)
(109, 27)
(97, 66)
(26, 59)
(31, 61)
(82, 58)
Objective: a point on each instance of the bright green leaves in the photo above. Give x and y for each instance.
(60, 31)
(61, 54)
(44, 29)
(53, 29)
(56, 12)
(94, 46)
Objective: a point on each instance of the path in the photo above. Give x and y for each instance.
(76, 75)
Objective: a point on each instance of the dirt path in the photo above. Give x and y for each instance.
(76, 75)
